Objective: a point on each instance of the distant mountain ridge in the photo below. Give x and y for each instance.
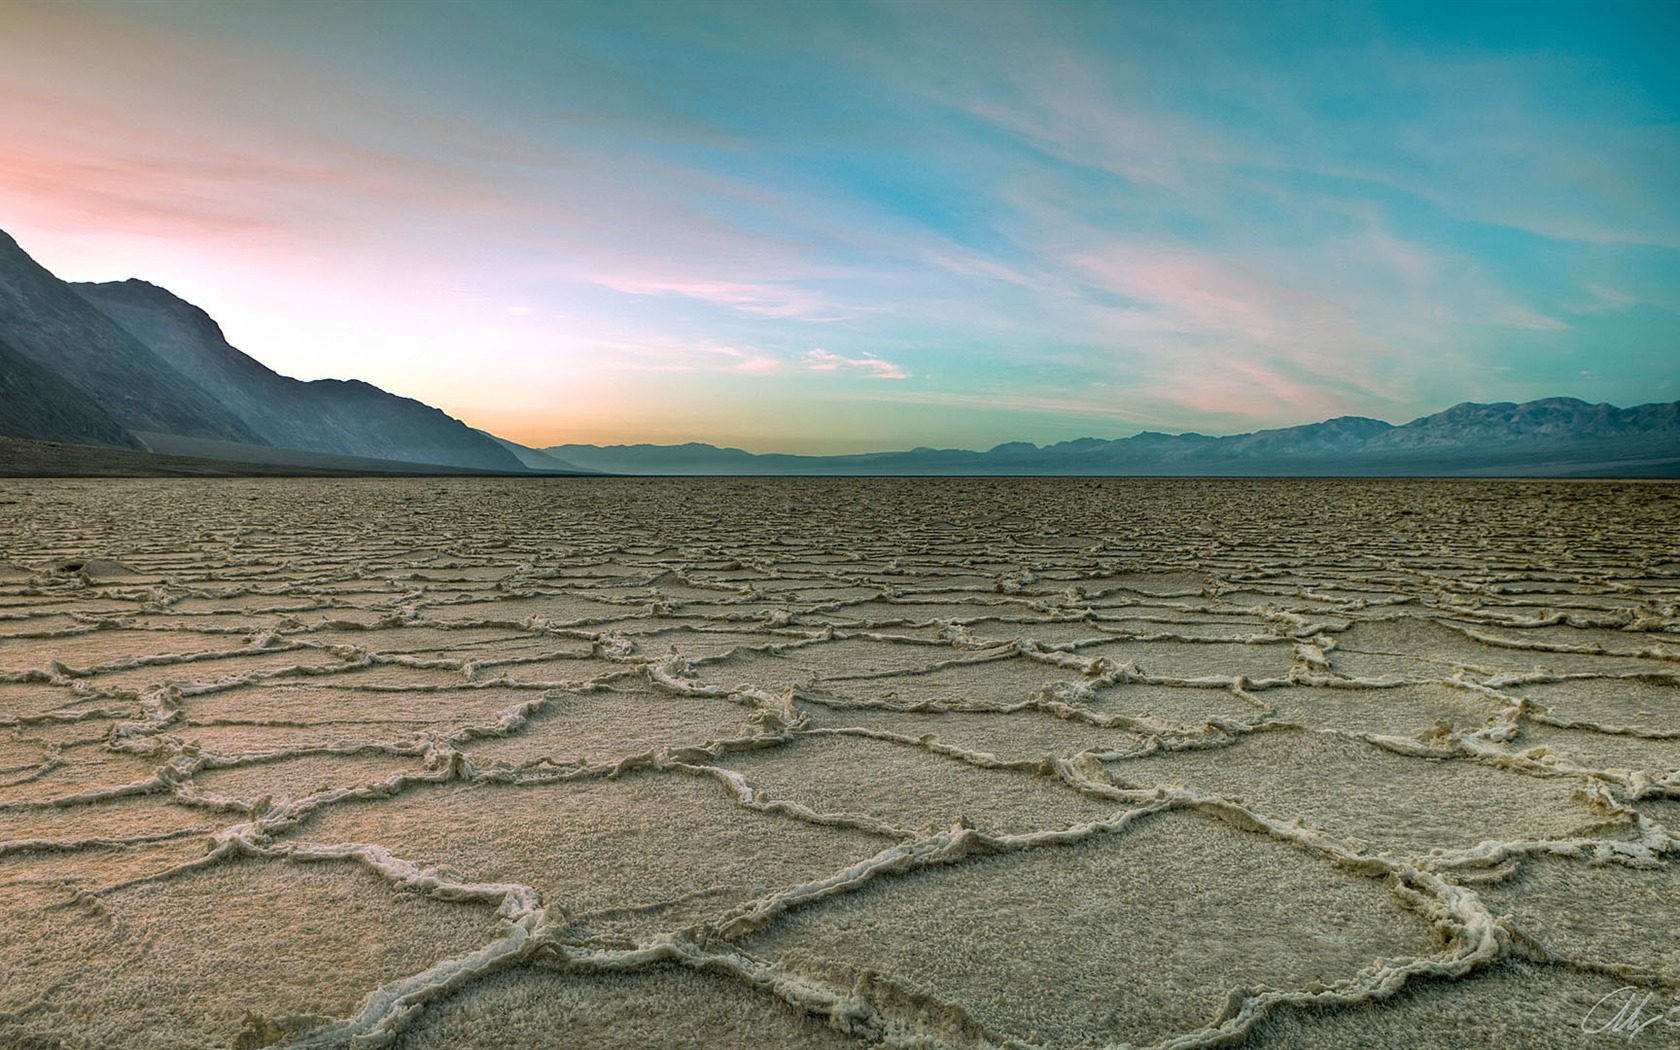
(1559, 436)
(129, 365)
(536, 459)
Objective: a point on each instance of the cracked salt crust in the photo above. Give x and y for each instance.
(873, 762)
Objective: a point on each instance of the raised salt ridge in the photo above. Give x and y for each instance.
(890, 762)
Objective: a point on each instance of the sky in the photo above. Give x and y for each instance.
(841, 227)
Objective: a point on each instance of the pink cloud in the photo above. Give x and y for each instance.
(1251, 390)
(749, 362)
(760, 300)
(1195, 292)
(820, 360)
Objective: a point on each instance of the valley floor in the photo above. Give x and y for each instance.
(611, 762)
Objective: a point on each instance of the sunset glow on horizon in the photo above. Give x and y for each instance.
(844, 227)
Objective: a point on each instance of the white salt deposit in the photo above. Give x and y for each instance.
(889, 762)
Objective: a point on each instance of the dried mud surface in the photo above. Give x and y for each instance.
(949, 763)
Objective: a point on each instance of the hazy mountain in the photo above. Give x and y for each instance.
(1554, 437)
(342, 417)
(536, 459)
(692, 458)
(1556, 419)
(98, 374)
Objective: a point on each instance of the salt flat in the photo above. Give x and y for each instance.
(843, 762)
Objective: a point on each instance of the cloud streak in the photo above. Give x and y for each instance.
(757, 300)
(869, 365)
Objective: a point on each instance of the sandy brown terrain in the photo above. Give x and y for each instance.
(458, 763)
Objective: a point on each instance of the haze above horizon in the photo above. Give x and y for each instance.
(829, 228)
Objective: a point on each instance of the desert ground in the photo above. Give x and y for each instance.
(743, 763)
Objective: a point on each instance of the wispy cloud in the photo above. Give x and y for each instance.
(750, 362)
(758, 300)
(820, 360)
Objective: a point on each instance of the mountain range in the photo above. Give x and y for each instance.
(129, 365)
(1558, 437)
(125, 377)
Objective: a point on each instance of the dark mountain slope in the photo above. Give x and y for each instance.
(46, 323)
(34, 403)
(343, 417)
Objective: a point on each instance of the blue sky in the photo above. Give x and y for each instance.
(842, 227)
